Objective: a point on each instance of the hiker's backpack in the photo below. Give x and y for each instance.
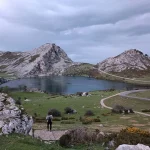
(49, 119)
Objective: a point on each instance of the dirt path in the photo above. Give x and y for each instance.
(47, 135)
(125, 94)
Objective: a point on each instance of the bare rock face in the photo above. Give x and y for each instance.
(133, 147)
(11, 118)
(129, 60)
(48, 59)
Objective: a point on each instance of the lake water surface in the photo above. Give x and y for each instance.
(67, 85)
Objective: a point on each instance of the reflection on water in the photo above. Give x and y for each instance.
(67, 85)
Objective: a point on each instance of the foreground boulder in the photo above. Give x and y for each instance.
(12, 119)
(133, 147)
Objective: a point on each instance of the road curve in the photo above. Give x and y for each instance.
(124, 94)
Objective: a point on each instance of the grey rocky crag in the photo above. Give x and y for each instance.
(48, 59)
(12, 120)
(129, 60)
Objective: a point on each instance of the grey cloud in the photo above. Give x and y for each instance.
(87, 30)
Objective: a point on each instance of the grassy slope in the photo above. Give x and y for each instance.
(21, 142)
(145, 94)
(77, 70)
(136, 104)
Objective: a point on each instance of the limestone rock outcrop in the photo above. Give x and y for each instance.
(12, 119)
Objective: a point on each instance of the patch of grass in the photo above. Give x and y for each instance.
(136, 104)
(3, 66)
(21, 142)
(18, 62)
(82, 69)
(33, 58)
(17, 142)
(145, 94)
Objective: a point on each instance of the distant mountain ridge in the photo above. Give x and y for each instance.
(48, 59)
(130, 60)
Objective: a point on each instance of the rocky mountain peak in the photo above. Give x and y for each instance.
(133, 51)
(45, 60)
(129, 60)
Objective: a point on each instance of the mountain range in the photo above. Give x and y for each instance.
(50, 59)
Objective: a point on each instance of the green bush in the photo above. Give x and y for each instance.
(89, 113)
(68, 110)
(54, 112)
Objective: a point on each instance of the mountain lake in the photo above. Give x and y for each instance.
(67, 84)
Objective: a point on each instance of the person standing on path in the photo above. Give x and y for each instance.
(49, 118)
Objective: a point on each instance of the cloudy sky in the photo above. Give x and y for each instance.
(88, 30)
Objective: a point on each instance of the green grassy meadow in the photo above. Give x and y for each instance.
(40, 104)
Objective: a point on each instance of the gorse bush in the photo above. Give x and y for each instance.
(55, 112)
(133, 136)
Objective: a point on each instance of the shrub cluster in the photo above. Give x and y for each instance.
(89, 113)
(87, 120)
(68, 110)
(54, 112)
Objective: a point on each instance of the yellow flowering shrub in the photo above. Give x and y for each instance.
(133, 136)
